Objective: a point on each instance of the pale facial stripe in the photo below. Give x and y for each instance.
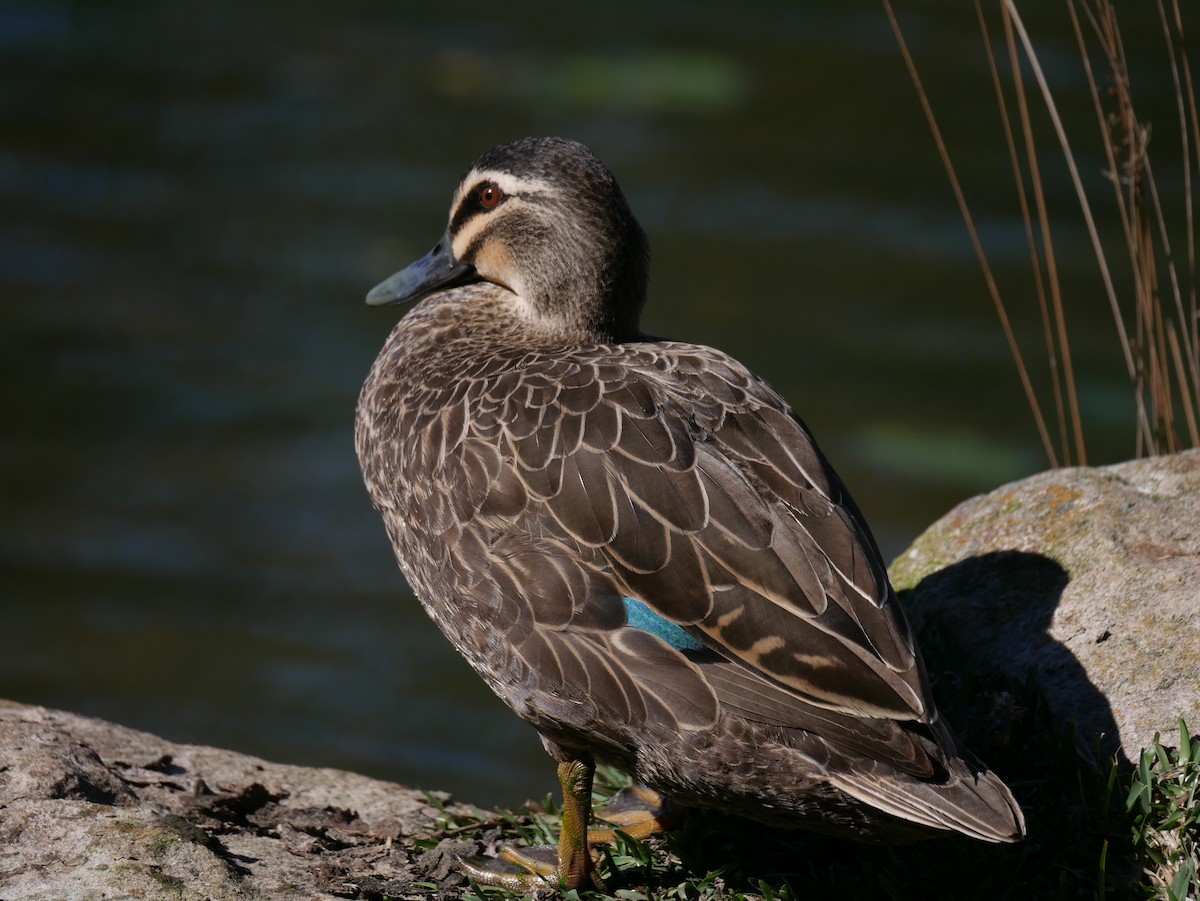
(474, 222)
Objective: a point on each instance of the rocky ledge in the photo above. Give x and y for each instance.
(90, 810)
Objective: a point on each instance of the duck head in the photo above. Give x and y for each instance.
(543, 219)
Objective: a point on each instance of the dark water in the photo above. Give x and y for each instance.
(197, 197)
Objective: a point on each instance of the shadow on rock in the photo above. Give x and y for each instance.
(991, 614)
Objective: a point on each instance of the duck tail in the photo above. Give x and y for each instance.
(974, 802)
(968, 797)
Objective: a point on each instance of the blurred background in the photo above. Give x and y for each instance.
(197, 197)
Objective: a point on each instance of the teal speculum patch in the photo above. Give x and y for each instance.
(639, 616)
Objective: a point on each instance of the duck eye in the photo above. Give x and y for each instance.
(490, 196)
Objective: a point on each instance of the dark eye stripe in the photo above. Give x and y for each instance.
(465, 211)
(470, 206)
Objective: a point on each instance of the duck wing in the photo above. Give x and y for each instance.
(708, 500)
(553, 486)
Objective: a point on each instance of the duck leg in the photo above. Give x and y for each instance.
(573, 867)
(636, 811)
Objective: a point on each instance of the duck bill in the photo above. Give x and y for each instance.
(435, 271)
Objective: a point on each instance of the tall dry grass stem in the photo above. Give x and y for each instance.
(976, 243)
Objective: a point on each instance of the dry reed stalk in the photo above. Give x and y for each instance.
(976, 243)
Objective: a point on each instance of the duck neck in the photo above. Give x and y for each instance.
(601, 302)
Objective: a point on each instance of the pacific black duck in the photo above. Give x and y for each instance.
(636, 542)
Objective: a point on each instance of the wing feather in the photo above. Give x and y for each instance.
(586, 504)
